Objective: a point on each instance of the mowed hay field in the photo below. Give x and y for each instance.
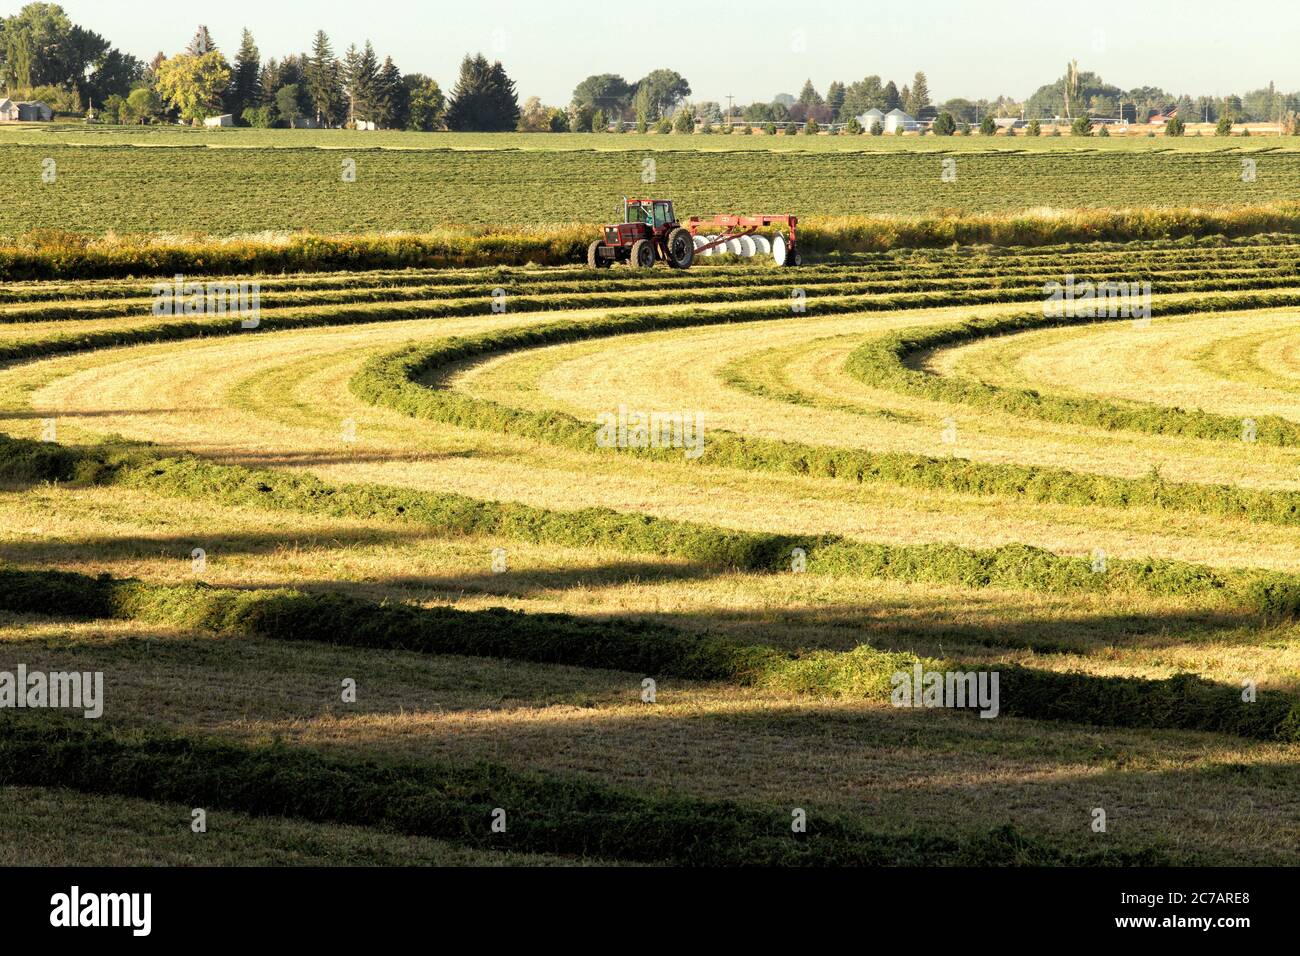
(249, 181)
(397, 481)
(367, 578)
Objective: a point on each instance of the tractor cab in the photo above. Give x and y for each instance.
(655, 213)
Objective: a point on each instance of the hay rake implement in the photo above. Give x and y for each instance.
(740, 237)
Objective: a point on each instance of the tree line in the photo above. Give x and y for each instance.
(43, 55)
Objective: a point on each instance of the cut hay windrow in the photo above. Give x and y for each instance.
(1183, 702)
(453, 801)
(1270, 593)
(540, 297)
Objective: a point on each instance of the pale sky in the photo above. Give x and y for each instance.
(755, 49)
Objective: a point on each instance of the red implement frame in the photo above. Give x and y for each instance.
(739, 226)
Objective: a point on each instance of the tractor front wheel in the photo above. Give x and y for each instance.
(643, 254)
(681, 248)
(594, 260)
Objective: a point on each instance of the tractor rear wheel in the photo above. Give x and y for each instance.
(594, 260)
(643, 254)
(681, 248)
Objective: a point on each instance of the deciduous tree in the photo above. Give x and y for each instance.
(193, 85)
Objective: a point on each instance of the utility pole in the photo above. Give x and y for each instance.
(730, 97)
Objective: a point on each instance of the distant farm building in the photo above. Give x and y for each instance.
(25, 111)
(896, 119)
(225, 119)
(870, 118)
(1163, 117)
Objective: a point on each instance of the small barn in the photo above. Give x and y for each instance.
(24, 111)
(35, 112)
(225, 119)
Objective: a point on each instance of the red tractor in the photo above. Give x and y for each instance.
(650, 231)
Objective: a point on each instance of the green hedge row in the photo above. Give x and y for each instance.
(1184, 701)
(407, 381)
(454, 801)
(882, 362)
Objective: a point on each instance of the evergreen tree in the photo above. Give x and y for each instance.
(484, 98)
(361, 78)
(367, 84)
(290, 72)
(835, 94)
(920, 97)
(268, 81)
(505, 100)
(393, 98)
(892, 99)
(201, 43)
(809, 96)
(684, 119)
(245, 80)
(323, 82)
(351, 64)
